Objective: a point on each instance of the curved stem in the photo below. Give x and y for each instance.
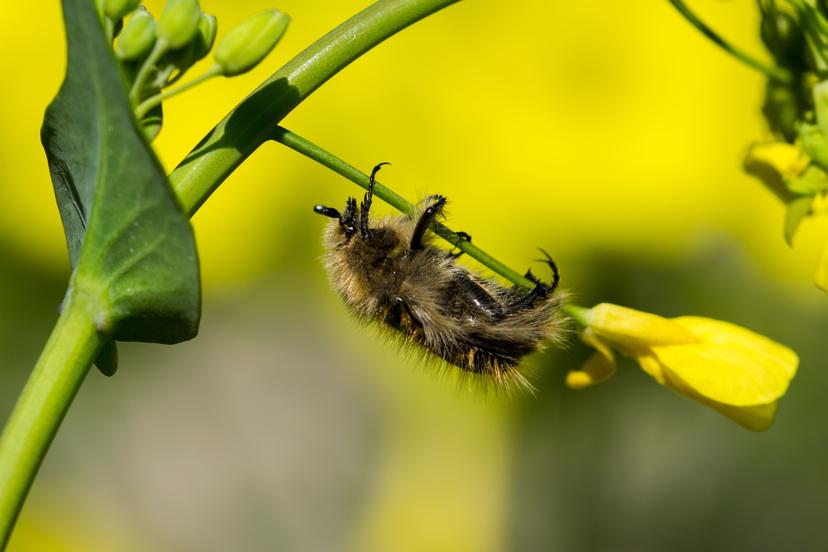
(158, 50)
(151, 102)
(58, 374)
(250, 124)
(770, 71)
(312, 151)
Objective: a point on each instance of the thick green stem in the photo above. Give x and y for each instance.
(75, 342)
(312, 151)
(251, 123)
(776, 73)
(62, 366)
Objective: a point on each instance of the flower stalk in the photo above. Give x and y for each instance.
(250, 124)
(773, 72)
(55, 380)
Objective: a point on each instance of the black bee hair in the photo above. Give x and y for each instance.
(389, 273)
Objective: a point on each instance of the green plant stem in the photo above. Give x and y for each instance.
(579, 314)
(151, 102)
(323, 157)
(776, 73)
(158, 50)
(29, 431)
(250, 124)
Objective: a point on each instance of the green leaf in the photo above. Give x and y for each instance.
(107, 361)
(130, 244)
(796, 210)
(815, 143)
(812, 181)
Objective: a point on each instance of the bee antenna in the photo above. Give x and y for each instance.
(327, 211)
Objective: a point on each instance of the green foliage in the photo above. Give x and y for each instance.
(131, 247)
(795, 213)
(137, 38)
(249, 42)
(116, 9)
(178, 23)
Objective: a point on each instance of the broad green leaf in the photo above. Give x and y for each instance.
(130, 244)
(796, 210)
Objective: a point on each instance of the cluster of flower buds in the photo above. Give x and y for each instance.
(794, 165)
(156, 53)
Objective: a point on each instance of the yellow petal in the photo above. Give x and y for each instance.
(634, 330)
(589, 337)
(821, 277)
(775, 162)
(755, 417)
(652, 366)
(733, 366)
(596, 369)
(782, 358)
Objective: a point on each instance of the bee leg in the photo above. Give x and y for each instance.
(461, 236)
(425, 220)
(541, 290)
(531, 277)
(556, 277)
(365, 206)
(479, 297)
(394, 317)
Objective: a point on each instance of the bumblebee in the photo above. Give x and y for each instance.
(388, 273)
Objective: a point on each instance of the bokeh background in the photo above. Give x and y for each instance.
(610, 133)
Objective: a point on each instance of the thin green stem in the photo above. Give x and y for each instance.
(29, 431)
(109, 29)
(312, 151)
(770, 71)
(579, 314)
(158, 50)
(151, 102)
(251, 122)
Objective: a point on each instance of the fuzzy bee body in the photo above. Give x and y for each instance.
(390, 274)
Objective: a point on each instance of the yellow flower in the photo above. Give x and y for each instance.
(739, 373)
(774, 163)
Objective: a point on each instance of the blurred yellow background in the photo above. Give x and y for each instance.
(609, 133)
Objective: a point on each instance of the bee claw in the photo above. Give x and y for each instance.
(461, 236)
(548, 288)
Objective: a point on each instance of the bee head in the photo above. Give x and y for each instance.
(347, 219)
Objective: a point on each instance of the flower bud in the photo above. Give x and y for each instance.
(782, 109)
(178, 23)
(137, 38)
(783, 37)
(117, 9)
(247, 44)
(205, 36)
